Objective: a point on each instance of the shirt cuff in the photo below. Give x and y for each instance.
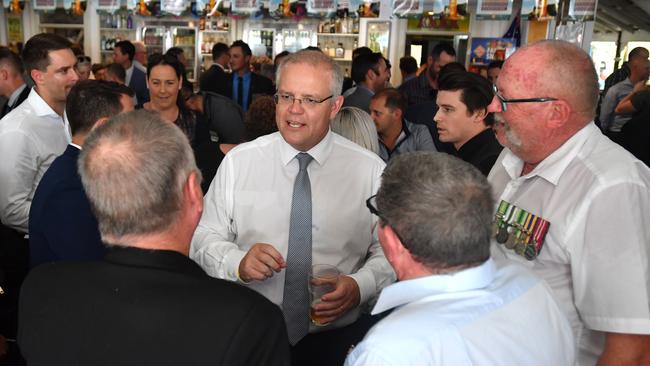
(231, 264)
(367, 286)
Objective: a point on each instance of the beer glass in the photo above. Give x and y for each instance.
(323, 279)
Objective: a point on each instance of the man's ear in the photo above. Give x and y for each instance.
(390, 242)
(560, 113)
(336, 106)
(193, 193)
(37, 76)
(479, 115)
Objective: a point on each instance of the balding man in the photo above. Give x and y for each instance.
(12, 82)
(572, 205)
(140, 57)
(639, 67)
(146, 303)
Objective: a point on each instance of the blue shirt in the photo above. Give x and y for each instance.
(235, 88)
(483, 315)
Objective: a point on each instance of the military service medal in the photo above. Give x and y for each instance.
(519, 230)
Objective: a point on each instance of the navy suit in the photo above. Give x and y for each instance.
(138, 83)
(61, 224)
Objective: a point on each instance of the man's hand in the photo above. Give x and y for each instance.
(335, 304)
(260, 262)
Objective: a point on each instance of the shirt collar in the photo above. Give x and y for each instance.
(245, 77)
(554, 165)
(75, 145)
(361, 86)
(320, 152)
(41, 108)
(404, 292)
(219, 66)
(14, 96)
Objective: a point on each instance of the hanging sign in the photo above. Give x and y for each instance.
(321, 6)
(539, 9)
(14, 29)
(494, 9)
(108, 5)
(486, 50)
(176, 7)
(244, 6)
(44, 4)
(405, 8)
(583, 10)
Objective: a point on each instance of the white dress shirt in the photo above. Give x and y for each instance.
(479, 316)
(249, 201)
(31, 136)
(596, 197)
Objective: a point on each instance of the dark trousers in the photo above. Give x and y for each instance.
(329, 348)
(14, 264)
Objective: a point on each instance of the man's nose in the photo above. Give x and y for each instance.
(495, 106)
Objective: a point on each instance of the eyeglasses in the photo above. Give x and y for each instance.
(371, 203)
(505, 101)
(307, 102)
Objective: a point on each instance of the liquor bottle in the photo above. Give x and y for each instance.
(339, 52)
(129, 22)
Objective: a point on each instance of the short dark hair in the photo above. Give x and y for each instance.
(90, 100)
(218, 50)
(475, 91)
(495, 65)
(363, 50)
(126, 47)
(638, 52)
(442, 47)
(408, 64)
(175, 51)
(11, 59)
(260, 118)
(443, 215)
(451, 67)
(97, 67)
(36, 53)
(246, 50)
(362, 63)
(394, 99)
(116, 70)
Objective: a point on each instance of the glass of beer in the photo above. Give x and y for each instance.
(323, 279)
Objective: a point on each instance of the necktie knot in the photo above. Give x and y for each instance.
(303, 160)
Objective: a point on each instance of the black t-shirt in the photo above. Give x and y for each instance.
(636, 132)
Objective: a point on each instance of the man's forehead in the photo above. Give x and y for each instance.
(61, 58)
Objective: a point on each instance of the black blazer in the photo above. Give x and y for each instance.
(260, 85)
(216, 80)
(61, 223)
(139, 85)
(145, 307)
(6, 108)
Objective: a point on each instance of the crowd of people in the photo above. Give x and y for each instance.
(472, 220)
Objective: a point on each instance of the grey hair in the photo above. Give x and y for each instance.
(356, 125)
(440, 206)
(316, 59)
(133, 169)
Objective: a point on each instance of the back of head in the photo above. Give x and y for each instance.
(91, 100)
(246, 50)
(476, 91)
(127, 48)
(116, 72)
(440, 206)
(36, 53)
(260, 118)
(451, 67)
(218, 50)
(317, 60)
(139, 46)
(559, 69)
(408, 65)
(10, 60)
(356, 125)
(638, 53)
(175, 52)
(442, 47)
(393, 99)
(133, 169)
(363, 63)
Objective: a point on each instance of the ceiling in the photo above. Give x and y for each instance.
(622, 15)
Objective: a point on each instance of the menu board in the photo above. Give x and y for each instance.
(244, 6)
(494, 9)
(583, 10)
(321, 6)
(108, 5)
(176, 7)
(403, 8)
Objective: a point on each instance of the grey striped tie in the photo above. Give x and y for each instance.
(295, 303)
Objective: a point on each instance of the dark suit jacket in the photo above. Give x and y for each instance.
(6, 108)
(225, 118)
(145, 307)
(217, 81)
(360, 99)
(139, 85)
(260, 85)
(61, 224)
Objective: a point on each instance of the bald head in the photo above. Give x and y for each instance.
(558, 69)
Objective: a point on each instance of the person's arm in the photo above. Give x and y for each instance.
(18, 169)
(424, 140)
(625, 349)
(625, 106)
(607, 109)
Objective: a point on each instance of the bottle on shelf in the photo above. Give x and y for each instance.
(332, 50)
(339, 52)
(129, 22)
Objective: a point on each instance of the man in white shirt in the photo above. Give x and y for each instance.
(452, 305)
(250, 231)
(572, 205)
(31, 136)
